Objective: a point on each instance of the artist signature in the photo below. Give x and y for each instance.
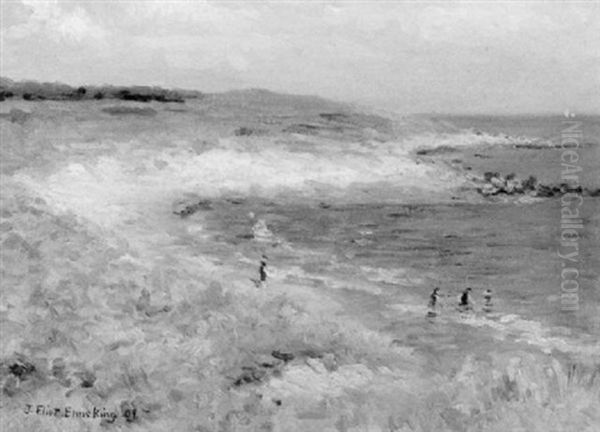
(71, 413)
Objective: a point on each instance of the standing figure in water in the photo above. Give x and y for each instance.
(487, 297)
(465, 303)
(262, 271)
(434, 298)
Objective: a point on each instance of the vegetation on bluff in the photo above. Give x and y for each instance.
(33, 90)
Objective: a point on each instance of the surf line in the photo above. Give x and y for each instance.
(570, 220)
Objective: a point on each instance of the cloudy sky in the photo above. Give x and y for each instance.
(409, 56)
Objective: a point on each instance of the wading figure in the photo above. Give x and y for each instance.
(434, 298)
(465, 303)
(262, 270)
(487, 296)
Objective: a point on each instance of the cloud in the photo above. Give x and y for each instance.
(49, 20)
(14, 13)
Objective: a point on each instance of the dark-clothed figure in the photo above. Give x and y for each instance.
(263, 269)
(465, 300)
(434, 297)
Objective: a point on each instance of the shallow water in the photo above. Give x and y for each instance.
(394, 252)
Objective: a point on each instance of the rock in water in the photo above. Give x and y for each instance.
(187, 208)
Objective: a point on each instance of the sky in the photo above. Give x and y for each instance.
(417, 56)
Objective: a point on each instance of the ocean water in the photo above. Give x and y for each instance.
(406, 250)
(356, 237)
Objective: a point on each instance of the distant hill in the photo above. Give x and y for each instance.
(33, 90)
(249, 112)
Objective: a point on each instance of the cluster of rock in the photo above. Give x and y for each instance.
(20, 374)
(496, 184)
(267, 366)
(187, 208)
(249, 131)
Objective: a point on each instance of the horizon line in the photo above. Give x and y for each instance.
(372, 105)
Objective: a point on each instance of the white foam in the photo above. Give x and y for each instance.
(391, 276)
(310, 381)
(533, 333)
(465, 138)
(122, 186)
(117, 187)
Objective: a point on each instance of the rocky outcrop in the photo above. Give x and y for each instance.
(443, 149)
(264, 367)
(187, 208)
(493, 183)
(249, 131)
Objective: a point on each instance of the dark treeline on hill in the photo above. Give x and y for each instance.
(35, 91)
